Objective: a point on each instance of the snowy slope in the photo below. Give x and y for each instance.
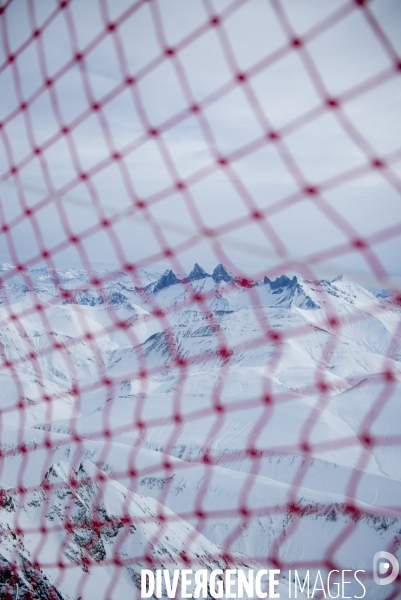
(138, 332)
(101, 534)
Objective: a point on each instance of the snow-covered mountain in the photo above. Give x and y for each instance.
(194, 395)
(102, 535)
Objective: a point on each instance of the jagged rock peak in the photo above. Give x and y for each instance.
(168, 278)
(220, 273)
(283, 281)
(197, 273)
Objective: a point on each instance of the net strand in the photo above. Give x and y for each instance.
(84, 535)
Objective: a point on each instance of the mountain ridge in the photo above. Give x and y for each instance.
(205, 367)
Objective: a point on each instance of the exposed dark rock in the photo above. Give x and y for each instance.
(220, 273)
(283, 281)
(197, 273)
(29, 582)
(117, 298)
(168, 278)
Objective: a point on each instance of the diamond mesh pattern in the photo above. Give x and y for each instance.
(41, 119)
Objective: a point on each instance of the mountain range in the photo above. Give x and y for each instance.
(193, 396)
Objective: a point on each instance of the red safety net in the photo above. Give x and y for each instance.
(79, 527)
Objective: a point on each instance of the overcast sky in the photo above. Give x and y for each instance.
(344, 56)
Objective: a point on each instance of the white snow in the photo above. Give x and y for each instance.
(114, 331)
